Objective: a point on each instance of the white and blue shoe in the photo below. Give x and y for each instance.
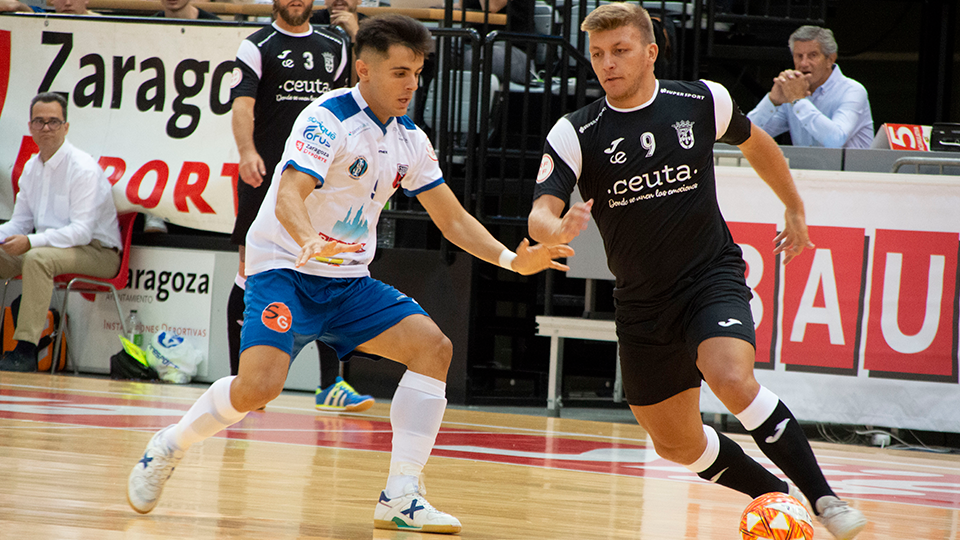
(146, 480)
(411, 512)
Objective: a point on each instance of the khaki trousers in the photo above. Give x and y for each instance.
(39, 266)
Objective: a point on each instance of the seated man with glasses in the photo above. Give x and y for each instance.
(64, 222)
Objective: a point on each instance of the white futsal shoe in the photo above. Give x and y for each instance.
(843, 521)
(411, 512)
(150, 473)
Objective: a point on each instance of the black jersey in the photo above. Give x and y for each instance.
(649, 171)
(284, 72)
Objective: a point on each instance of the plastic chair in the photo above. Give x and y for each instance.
(93, 285)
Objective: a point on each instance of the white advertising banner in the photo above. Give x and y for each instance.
(862, 329)
(150, 101)
(169, 288)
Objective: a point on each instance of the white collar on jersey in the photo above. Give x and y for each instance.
(656, 90)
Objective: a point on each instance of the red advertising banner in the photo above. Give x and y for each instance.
(912, 328)
(821, 302)
(756, 241)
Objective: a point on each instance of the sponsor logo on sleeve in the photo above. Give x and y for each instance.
(318, 133)
(277, 317)
(235, 77)
(430, 152)
(546, 168)
(313, 151)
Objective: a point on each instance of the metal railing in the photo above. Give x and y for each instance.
(918, 162)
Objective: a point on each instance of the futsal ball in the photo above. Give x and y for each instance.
(776, 516)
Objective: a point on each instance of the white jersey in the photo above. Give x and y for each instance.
(358, 163)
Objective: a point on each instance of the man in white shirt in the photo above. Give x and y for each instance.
(815, 101)
(64, 222)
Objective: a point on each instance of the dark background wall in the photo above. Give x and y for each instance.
(905, 52)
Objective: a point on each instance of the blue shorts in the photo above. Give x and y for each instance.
(287, 310)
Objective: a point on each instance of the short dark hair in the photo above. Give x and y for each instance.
(616, 15)
(49, 97)
(381, 32)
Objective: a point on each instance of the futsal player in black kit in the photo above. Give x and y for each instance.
(281, 69)
(642, 158)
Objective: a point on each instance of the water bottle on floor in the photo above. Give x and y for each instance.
(134, 328)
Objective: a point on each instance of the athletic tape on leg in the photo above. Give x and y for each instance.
(423, 383)
(710, 453)
(759, 409)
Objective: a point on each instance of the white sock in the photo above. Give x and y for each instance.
(212, 413)
(415, 414)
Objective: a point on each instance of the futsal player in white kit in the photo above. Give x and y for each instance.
(306, 259)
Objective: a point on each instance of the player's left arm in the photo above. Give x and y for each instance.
(767, 160)
(466, 232)
(295, 186)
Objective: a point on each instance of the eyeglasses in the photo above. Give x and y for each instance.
(39, 123)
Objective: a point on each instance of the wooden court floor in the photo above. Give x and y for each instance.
(68, 443)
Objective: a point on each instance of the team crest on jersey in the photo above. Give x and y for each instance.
(359, 167)
(401, 172)
(328, 61)
(684, 133)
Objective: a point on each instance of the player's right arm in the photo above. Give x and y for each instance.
(295, 186)
(252, 167)
(243, 94)
(559, 171)
(547, 227)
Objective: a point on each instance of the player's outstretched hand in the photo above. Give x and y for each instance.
(794, 238)
(533, 259)
(574, 221)
(324, 251)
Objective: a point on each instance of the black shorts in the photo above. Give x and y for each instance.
(249, 199)
(658, 348)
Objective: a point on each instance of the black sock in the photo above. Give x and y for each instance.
(235, 307)
(738, 471)
(781, 439)
(329, 365)
(26, 348)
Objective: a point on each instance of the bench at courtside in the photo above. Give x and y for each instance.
(560, 328)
